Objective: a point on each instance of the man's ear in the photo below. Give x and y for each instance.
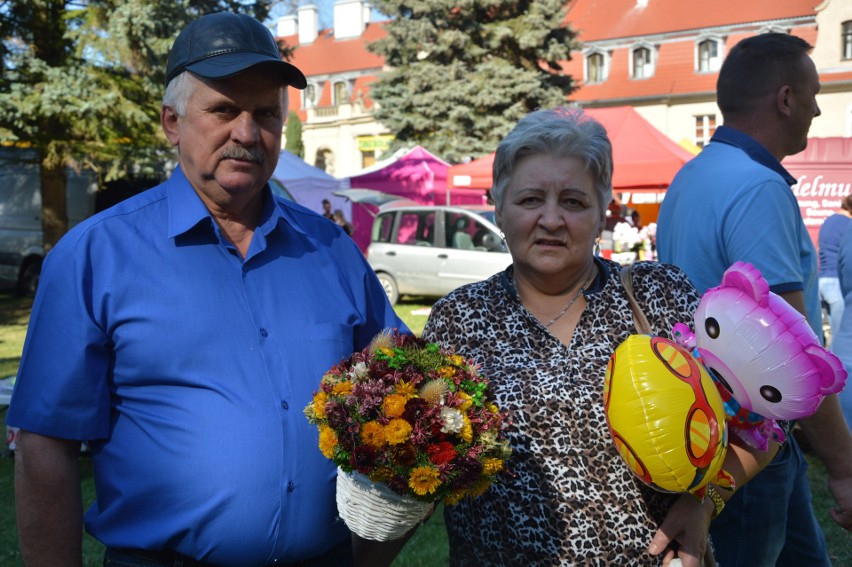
(169, 122)
(784, 100)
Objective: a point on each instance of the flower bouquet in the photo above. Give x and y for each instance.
(407, 424)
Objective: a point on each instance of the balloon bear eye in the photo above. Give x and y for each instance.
(712, 328)
(770, 394)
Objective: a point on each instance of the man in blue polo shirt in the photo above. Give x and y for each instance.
(183, 331)
(733, 202)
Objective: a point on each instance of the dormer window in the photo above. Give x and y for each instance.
(642, 62)
(846, 40)
(708, 55)
(340, 93)
(597, 68)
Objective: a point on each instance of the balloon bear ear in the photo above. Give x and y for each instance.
(749, 280)
(832, 373)
(683, 335)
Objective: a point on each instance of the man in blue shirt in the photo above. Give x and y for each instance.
(733, 202)
(182, 333)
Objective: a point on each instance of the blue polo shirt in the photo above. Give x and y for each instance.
(733, 202)
(188, 368)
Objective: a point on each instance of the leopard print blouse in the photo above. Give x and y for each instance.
(569, 498)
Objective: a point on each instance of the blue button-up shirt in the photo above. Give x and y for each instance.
(188, 367)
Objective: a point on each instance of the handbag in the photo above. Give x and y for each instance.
(639, 319)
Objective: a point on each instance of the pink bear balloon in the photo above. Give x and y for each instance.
(762, 351)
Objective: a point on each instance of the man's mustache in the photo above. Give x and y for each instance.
(243, 153)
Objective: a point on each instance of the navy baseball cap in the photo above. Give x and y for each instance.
(223, 44)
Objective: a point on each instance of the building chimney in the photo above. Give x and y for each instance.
(350, 18)
(287, 25)
(308, 23)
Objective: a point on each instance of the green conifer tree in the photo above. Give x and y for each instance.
(293, 135)
(464, 72)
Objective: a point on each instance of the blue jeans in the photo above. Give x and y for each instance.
(769, 522)
(829, 292)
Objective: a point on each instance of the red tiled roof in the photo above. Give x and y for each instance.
(606, 19)
(327, 55)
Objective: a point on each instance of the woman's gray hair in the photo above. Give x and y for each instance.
(564, 132)
(178, 92)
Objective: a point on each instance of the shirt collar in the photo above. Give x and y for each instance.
(753, 149)
(187, 210)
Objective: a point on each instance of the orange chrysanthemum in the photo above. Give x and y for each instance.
(327, 441)
(319, 402)
(373, 434)
(490, 465)
(342, 388)
(406, 389)
(467, 429)
(397, 431)
(424, 480)
(394, 405)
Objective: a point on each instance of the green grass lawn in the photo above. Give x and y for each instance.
(427, 548)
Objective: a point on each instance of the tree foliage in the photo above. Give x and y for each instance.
(293, 135)
(82, 84)
(463, 72)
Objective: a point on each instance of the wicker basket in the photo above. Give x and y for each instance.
(374, 511)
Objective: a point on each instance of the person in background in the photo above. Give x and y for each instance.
(326, 210)
(841, 342)
(830, 234)
(340, 219)
(733, 202)
(542, 332)
(181, 333)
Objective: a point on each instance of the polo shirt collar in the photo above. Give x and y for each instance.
(753, 149)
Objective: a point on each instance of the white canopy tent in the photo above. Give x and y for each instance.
(309, 185)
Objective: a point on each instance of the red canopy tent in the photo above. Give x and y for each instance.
(644, 158)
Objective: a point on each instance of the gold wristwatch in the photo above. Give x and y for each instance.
(716, 498)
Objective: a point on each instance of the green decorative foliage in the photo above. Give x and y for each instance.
(464, 72)
(293, 135)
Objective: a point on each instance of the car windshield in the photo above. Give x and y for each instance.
(487, 214)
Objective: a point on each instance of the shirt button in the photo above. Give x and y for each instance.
(264, 332)
(285, 405)
(290, 486)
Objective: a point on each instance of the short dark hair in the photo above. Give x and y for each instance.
(326, 202)
(757, 66)
(846, 204)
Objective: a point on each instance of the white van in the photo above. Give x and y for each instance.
(431, 250)
(21, 250)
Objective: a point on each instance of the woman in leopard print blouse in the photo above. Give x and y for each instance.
(542, 332)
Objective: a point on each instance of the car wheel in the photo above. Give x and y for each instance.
(389, 286)
(28, 280)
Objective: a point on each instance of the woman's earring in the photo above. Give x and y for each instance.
(597, 248)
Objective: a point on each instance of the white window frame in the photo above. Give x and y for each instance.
(846, 40)
(310, 102)
(705, 124)
(335, 100)
(650, 68)
(714, 63)
(587, 56)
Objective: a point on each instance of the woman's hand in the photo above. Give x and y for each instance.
(683, 533)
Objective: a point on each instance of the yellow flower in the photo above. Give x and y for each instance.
(479, 487)
(467, 401)
(456, 359)
(342, 388)
(424, 480)
(397, 431)
(490, 465)
(406, 389)
(319, 404)
(381, 474)
(386, 351)
(454, 497)
(446, 371)
(394, 405)
(467, 430)
(492, 407)
(327, 441)
(373, 434)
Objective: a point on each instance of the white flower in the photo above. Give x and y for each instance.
(360, 369)
(453, 420)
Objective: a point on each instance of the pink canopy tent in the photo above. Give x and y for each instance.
(644, 158)
(418, 176)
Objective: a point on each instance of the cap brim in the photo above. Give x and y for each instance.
(229, 64)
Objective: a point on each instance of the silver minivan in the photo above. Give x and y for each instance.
(431, 250)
